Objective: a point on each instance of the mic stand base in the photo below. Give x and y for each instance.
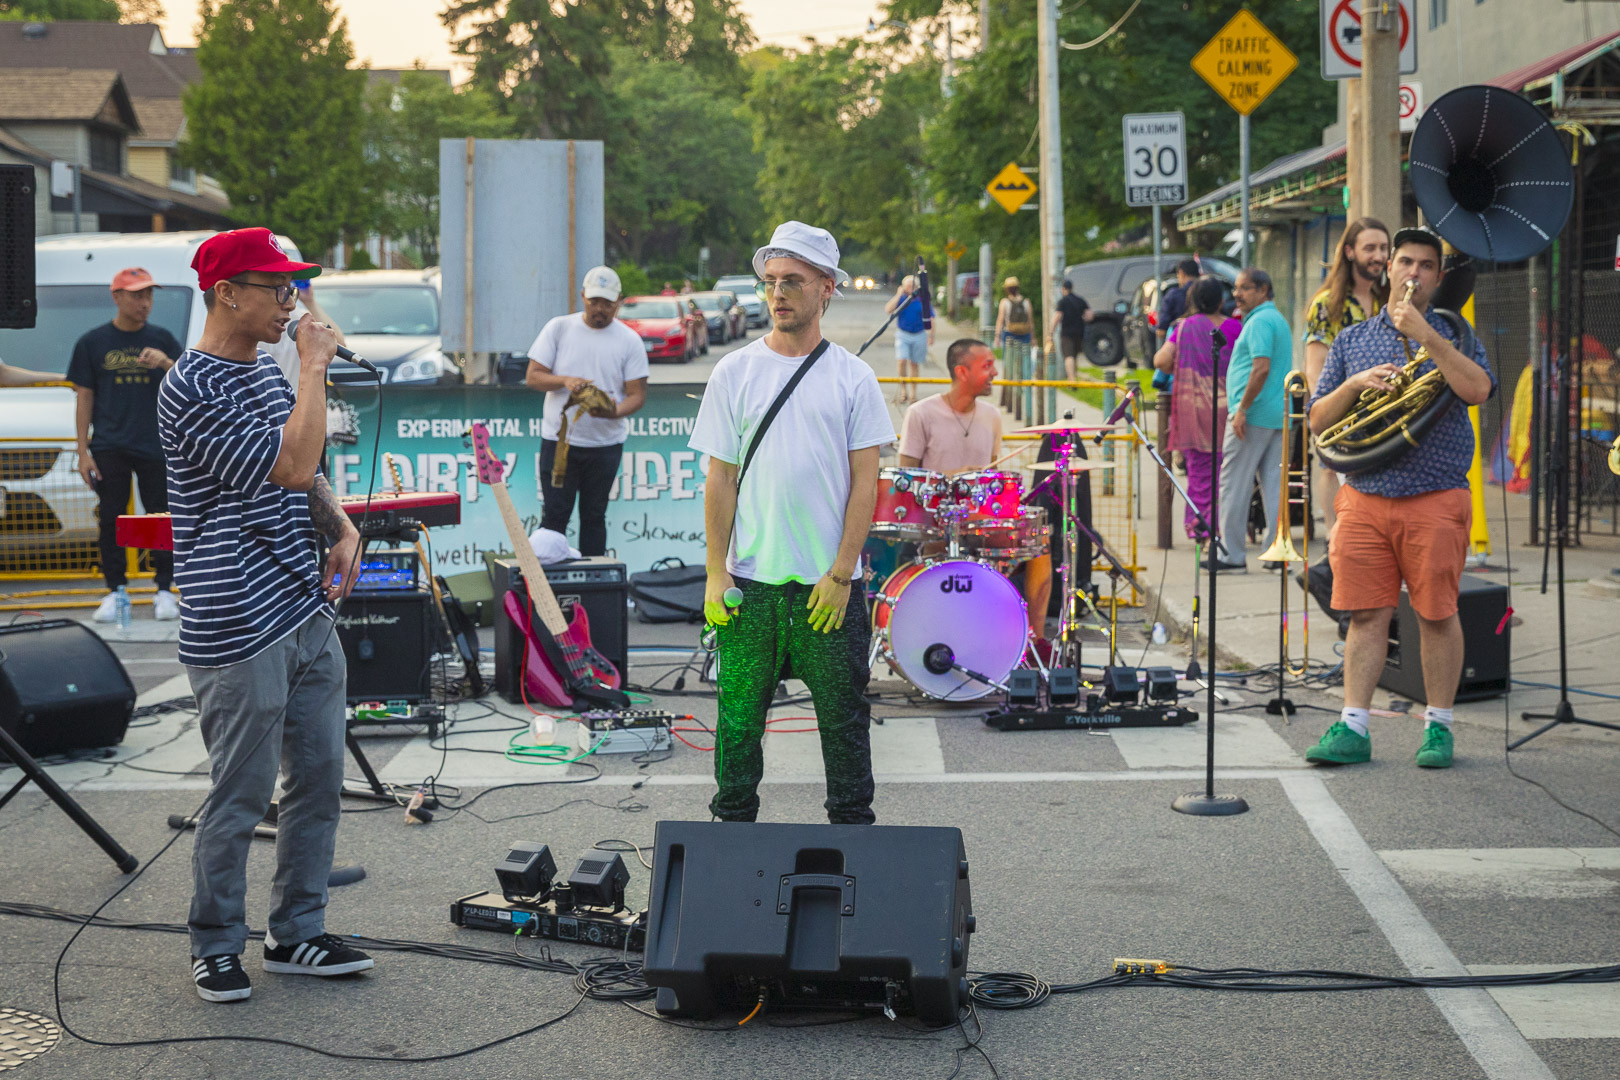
(1565, 714)
(1280, 706)
(1198, 804)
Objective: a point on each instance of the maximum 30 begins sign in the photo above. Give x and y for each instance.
(1155, 159)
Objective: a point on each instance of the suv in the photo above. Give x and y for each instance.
(1110, 286)
(745, 287)
(1141, 322)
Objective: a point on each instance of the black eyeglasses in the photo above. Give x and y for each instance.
(283, 293)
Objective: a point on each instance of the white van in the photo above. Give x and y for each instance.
(43, 501)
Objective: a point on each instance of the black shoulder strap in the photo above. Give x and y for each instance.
(776, 407)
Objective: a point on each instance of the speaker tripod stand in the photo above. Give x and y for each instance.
(31, 771)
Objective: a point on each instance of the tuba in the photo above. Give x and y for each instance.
(1493, 179)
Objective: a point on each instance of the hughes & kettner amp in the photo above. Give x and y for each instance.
(1482, 607)
(599, 583)
(387, 637)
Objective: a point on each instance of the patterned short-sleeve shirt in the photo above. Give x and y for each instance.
(1319, 327)
(1441, 461)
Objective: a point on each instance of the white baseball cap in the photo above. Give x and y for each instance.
(796, 240)
(601, 283)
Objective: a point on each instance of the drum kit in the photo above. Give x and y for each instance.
(951, 622)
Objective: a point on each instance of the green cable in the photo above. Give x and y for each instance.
(540, 755)
(638, 699)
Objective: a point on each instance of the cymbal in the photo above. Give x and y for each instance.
(1075, 465)
(1064, 427)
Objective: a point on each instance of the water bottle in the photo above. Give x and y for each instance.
(1159, 636)
(121, 607)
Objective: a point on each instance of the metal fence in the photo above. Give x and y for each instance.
(48, 518)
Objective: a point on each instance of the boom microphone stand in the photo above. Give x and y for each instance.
(92, 828)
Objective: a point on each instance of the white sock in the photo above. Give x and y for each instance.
(1437, 717)
(1355, 719)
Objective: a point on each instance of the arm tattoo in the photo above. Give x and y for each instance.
(325, 512)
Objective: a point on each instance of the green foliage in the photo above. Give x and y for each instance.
(360, 259)
(403, 125)
(51, 10)
(276, 118)
(633, 280)
(660, 82)
(839, 130)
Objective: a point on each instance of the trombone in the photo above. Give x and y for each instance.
(1296, 491)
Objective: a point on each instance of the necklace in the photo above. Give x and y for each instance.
(971, 419)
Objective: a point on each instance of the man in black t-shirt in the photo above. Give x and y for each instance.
(1173, 304)
(1069, 325)
(116, 371)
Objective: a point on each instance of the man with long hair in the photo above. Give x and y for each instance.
(1356, 289)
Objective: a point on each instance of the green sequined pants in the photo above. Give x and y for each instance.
(768, 639)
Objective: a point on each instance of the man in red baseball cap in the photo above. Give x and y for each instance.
(116, 370)
(256, 628)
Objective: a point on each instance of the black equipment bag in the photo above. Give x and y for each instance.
(670, 592)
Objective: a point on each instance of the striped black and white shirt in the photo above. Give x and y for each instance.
(245, 556)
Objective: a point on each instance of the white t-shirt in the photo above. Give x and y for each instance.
(790, 512)
(285, 351)
(609, 358)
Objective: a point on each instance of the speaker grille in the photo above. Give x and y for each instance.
(17, 307)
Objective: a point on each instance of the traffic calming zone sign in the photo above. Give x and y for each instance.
(1012, 188)
(1244, 62)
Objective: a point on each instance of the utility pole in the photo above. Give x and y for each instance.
(1051, 182)
(984, 25)
(1352, 149)
(1380, 159)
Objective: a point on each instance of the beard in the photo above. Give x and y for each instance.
(1372, 271)
(792, 322)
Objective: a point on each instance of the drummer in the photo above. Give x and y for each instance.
(960, 431)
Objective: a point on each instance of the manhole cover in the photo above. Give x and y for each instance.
(24, 1036)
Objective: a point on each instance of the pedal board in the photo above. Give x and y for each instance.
(1105, 716)
(603, 929)
(630, 731)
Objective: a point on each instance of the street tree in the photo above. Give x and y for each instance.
(130, 11)
(404, 122)
(277, 117)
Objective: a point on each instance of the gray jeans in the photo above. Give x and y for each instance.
(1257, 453)
(252, 727)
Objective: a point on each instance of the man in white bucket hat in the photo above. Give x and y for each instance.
(792, 426)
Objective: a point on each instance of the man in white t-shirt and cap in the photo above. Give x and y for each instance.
(572, 353)
(787, 532)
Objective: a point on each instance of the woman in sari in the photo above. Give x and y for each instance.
(1197, 359)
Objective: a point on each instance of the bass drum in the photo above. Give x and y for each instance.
(965, 606)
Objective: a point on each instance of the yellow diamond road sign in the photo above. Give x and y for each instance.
(1245, 62)
(955, 249)
(1012, 188)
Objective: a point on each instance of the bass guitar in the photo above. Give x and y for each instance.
(561, 668)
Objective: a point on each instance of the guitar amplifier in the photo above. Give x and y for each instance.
(1486, 673)
(387, 640)
(598, 582)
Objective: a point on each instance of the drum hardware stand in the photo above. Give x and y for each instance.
(31, 770)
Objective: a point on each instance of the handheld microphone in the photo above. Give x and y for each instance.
(1119, 412)
(342, 352)
(709, 637)
(733, 597)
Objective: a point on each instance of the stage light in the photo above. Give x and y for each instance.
(527, 871)
(599, 880)
(1161, 684)
(1065, 686)
(1122, 685)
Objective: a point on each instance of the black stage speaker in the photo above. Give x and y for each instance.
(61, 688)
(818, 916)
(1486, 673)
(388, 641)
(598, 582)
(17, 200)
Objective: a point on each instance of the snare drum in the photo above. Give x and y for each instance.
(985, 498)
(1010, 541)
(929, 616)
(906, 501)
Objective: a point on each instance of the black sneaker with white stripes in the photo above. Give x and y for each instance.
(220, 978)
(323, 955)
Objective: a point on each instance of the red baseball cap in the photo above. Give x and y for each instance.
(226, 254)
(133, 279)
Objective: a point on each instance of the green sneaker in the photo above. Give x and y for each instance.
(1435, 753)
(1341, 746)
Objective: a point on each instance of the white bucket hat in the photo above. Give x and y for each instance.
(796, 240)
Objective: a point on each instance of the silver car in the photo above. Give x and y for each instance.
(746, 287)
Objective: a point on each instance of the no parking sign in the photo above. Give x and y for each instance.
(1341, 40)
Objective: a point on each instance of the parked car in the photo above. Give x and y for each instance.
(726, 318)
(1141, 322)
(967, 288)
(746, 286)
(45, 508)
(662, 327)
(1109, 286)
(390, 317)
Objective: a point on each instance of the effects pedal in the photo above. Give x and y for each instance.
(628, 731)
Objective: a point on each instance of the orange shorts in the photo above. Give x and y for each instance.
(1379, 542)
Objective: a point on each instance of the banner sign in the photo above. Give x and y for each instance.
(657, 505)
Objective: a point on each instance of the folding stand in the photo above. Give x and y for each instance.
(31, 770)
